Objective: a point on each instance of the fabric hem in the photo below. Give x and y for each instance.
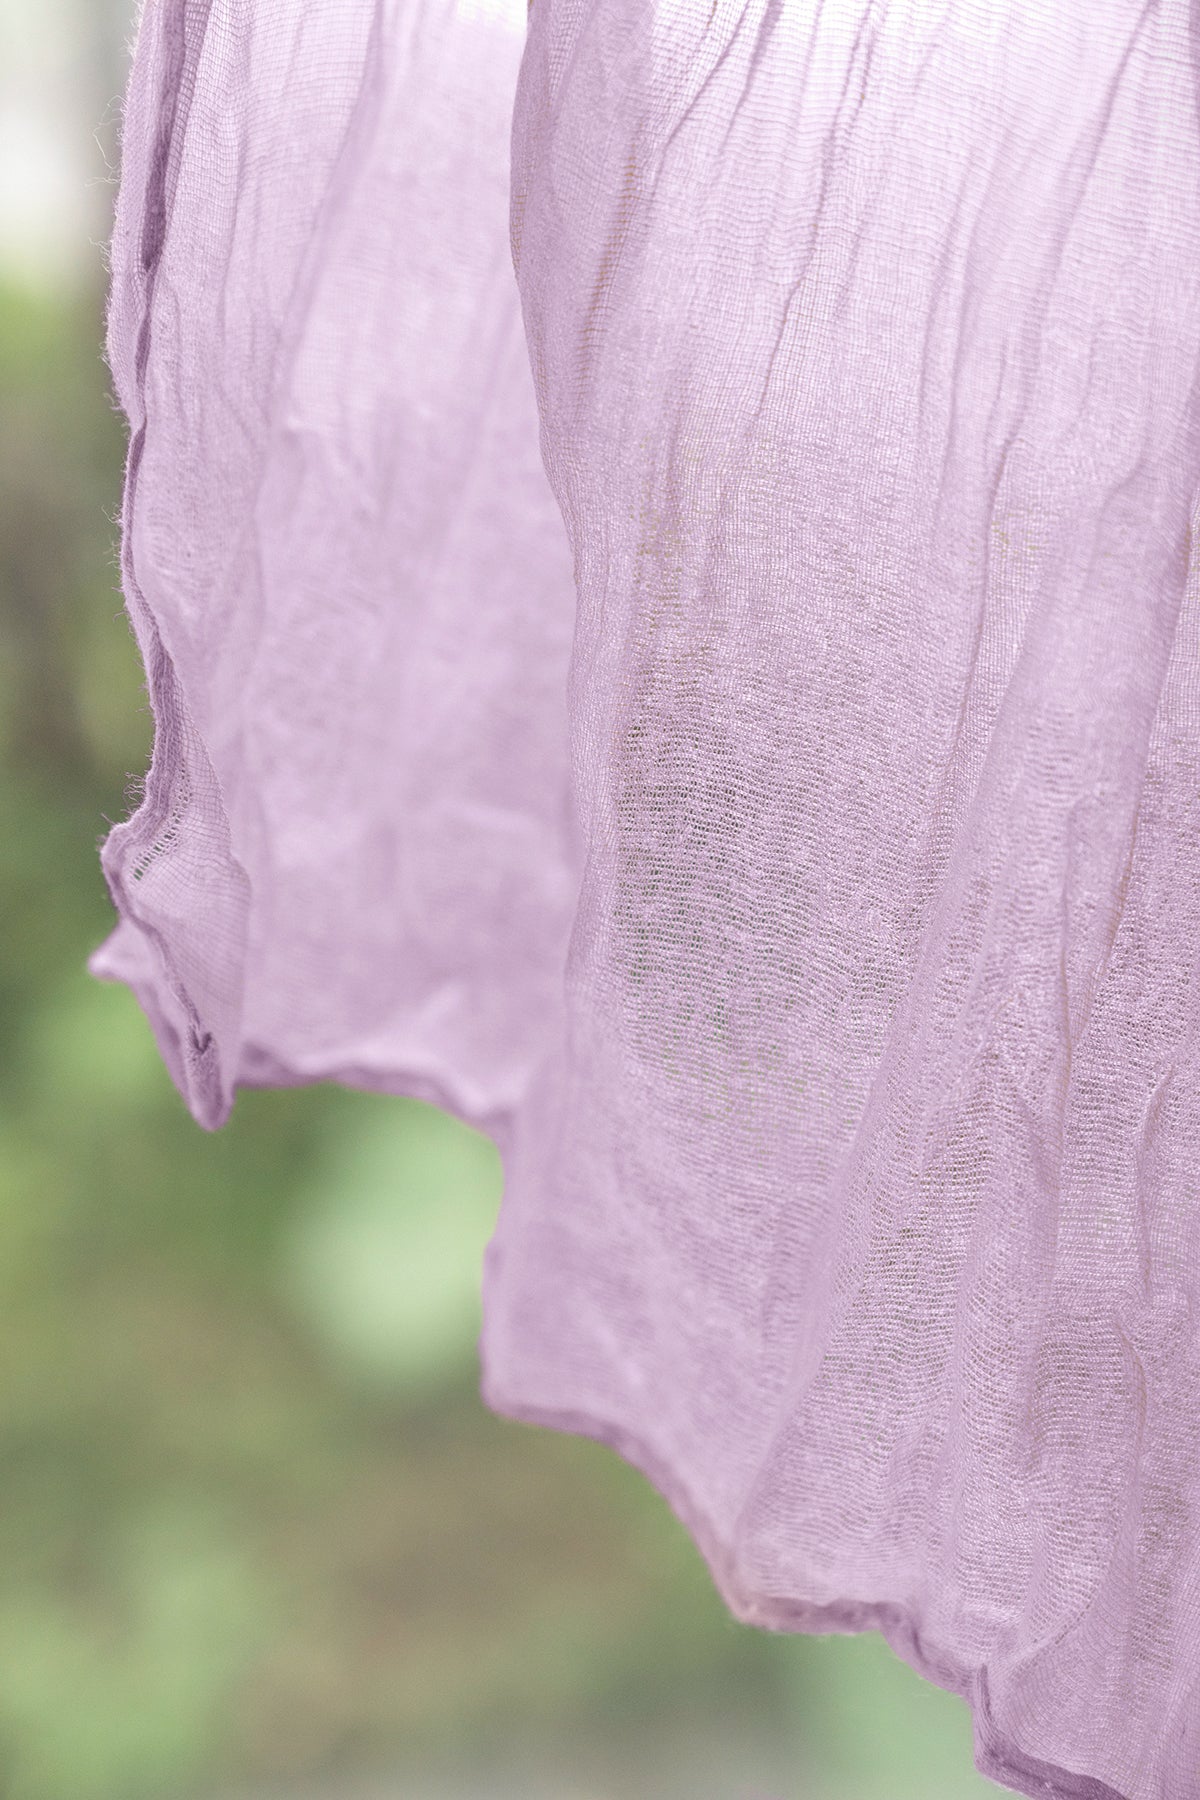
(260, 1069)
(996, 1757)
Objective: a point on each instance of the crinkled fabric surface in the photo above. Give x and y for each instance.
(347, 573)
(721, 710)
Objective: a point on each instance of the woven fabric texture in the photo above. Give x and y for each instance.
(719, 707)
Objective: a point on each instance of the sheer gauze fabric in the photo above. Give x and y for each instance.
(720, 710)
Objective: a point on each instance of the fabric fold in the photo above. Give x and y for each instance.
(350, 579)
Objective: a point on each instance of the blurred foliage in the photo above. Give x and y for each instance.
(254, 1522)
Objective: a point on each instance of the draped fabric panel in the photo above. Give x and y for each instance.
(347, 572)
(662, 540)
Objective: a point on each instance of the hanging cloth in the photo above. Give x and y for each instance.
(719, 708)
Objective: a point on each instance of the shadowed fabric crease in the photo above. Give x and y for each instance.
(661, 536)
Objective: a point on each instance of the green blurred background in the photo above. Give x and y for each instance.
(258, 1537)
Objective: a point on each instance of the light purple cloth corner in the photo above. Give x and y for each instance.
(795, 860)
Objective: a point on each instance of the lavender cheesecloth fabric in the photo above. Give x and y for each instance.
(720, 710)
